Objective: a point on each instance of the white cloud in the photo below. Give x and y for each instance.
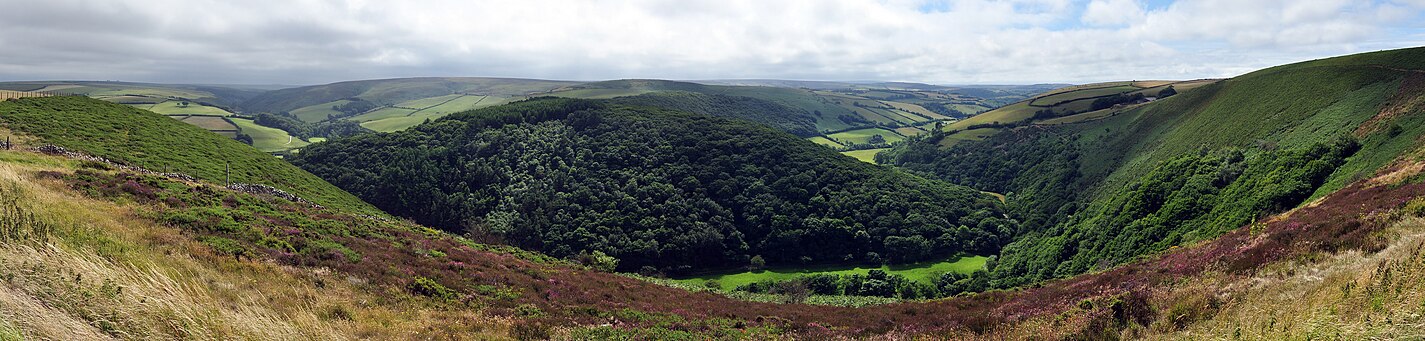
(1113, 12)
(963, 41)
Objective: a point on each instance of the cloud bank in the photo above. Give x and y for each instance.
(945, 42)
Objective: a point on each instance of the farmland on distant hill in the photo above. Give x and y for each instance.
(395, 104)
(1064, 105)
(176, 101)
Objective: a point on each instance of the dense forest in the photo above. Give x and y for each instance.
(660, 190)
(793, 120)
(292, 125)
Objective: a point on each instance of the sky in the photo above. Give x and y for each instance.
(301, 42)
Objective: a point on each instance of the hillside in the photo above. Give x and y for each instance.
(1067, 104)
(671, 191)
(394, 104)
(1189, 167)
(145, 139)
(205, 106)
(1215, 213)
(856, 119)
(443, 287)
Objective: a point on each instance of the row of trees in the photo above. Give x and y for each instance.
(353, 107)
(1110, 101)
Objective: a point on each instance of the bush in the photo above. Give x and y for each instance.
(528, 310)
(597, 260)
(757, 263)
(337, 312)
(530, 330)
(225, 246)
(430, 288)
(327, 250)
(1167, 92)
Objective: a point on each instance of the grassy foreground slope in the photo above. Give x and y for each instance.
(76, 264)
(145, 139)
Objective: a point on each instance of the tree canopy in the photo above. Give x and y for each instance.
(653, 187)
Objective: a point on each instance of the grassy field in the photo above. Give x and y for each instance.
(925, 271)
(867, 155)
(146, 139)
(863, 135)
(318, 112)
(382, 113)
(910, 131)
(1080, 94)
(459, 104)
(393, 119)
(388, 92)
(268, 139)
(600, 93)
(211, 123)
(967, 135)
(1078, 98)
(396, 123)
(826, 142)
(178, 108)
(427, 102)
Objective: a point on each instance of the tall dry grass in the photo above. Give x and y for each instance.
(74, 268)
(1346, 296)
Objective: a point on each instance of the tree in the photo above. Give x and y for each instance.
(1167, 92)
(757, 263)
(907, 248)
(597, 260)
(876, 139)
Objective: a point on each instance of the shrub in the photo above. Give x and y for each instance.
(228, 247)
(528, 310)
(337, 312)
(277, 244)
(430, 288)
(530, 330)
(597, 260)
(327, 250)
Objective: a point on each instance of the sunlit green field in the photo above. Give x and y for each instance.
(864, 135)
(179, 108)
(268, 139)
(867, 155)
(924, 271)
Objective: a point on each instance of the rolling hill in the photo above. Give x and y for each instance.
(844, 115)
(1065, 105)
(145, 139)
(1219, 212)
(395, 104)
(570, 177)
(839, 113)
(211, 107)
(1187, 168)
